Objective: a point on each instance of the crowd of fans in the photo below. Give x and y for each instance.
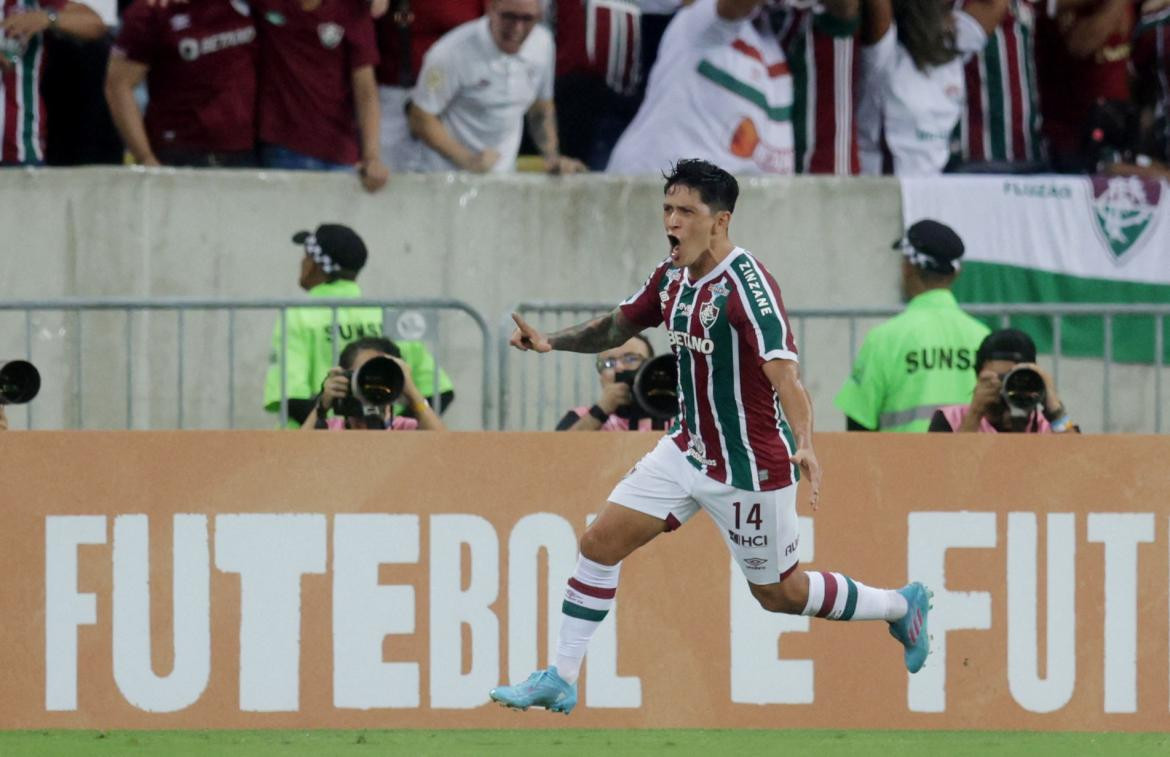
(909, 87)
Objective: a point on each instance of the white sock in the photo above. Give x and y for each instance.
(838, 597)
(588, 597)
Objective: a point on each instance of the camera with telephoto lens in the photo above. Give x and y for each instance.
(655, 389)
(19, 382)
(1022, 390)
(376, 384)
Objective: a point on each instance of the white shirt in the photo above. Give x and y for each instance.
(720, 90)
(915, 112)
(479, 93)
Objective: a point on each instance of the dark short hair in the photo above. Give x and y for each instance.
(642, 338)
(376, 343)
(717, 188)
(1005, 344)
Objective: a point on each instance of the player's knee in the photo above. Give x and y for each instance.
(596, 547)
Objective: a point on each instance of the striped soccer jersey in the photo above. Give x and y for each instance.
(722, 329)
(22, 112)
(821, 52)
(1002, 118)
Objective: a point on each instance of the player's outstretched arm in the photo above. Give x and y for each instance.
(603, 333)
(784, 375)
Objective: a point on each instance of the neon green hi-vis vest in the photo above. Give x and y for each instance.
(310, 348)
(913, 364)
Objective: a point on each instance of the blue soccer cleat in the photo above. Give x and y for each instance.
(910, 629)
(544, 688)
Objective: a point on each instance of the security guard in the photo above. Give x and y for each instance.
(334, 255)
(921, 359)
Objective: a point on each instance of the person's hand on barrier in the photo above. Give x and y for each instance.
(810, 469)
(615, 395)
(562, 165)
(336, 387)
(527, 338)
(374, 174)
(986, 395)
(483, 161)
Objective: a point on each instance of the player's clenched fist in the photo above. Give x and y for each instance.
(527, 338)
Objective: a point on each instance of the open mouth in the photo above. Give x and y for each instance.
(673, 246)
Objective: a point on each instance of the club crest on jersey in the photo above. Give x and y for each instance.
(330, 34)
(708, 313)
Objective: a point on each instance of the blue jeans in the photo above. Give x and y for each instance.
(275, 156)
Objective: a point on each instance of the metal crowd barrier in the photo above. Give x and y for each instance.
(67, 339)
(532, 392)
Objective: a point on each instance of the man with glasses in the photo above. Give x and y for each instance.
(615, 410)
(478, 85)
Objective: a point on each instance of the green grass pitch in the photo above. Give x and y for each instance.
(611, 743)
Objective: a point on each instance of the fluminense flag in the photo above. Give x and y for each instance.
(1058, 239)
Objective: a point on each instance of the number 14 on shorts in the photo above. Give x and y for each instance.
(753, 515)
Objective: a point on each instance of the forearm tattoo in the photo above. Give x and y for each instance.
(604, 333)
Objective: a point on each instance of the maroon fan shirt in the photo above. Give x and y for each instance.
(430, 20)
(307, 60)
(1069, 85)
(202, 77)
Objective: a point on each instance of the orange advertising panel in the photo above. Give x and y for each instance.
(266, 579)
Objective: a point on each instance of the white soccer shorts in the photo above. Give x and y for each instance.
(760, 528)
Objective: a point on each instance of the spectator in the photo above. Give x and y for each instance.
(1151, 68)
(23, 24)
(318, 95)
(1000, 127)
(818, 41)
(337, 387)
(199, 63)
(615, 409)
(1025, 403)
(912, 92)
(919, 360)
(1082, 58)
(80, 129)
(334, 256)
(404, 36)
(720, 91)
(478, 85)
(598, 75)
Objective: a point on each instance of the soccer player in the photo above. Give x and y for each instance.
(743, 438)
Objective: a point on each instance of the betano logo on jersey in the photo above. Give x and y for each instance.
(690, 341)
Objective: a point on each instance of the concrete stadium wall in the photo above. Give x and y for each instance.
(489, 241)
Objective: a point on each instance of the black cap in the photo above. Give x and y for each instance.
(340, 244)
(1005, 344)
(932, 246)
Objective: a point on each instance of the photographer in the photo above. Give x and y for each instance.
(1012, 395)
(337, 392)
(615, 409)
